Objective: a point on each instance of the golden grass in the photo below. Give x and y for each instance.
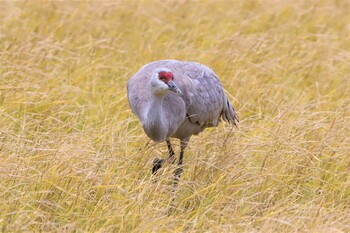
(73, 156)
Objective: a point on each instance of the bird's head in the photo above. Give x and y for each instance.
(162, 82)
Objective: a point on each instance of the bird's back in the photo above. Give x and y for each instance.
(203, 97)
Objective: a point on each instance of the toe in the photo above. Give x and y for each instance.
(157, 164)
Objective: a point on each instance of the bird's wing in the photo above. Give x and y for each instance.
(204, 95)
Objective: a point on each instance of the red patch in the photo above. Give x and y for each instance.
(166, 76)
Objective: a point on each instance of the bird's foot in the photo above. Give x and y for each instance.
(177, 175)
(157, 164)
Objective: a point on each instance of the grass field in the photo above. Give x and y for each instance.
(74, 158)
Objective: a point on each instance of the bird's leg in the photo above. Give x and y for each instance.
(157, 163)
(171, 157)
(179, 169)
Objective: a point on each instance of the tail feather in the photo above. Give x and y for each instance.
(228, 114)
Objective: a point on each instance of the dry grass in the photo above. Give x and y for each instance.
(73, 156)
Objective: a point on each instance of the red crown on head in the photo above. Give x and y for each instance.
(167, 76)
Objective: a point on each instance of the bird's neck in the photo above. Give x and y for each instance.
(155, 122)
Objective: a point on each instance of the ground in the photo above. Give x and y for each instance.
(74, 158)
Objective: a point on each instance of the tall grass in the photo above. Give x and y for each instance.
(74, 158)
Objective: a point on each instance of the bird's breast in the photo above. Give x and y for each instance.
(155, 131)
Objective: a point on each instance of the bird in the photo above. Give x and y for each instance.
(177, 99)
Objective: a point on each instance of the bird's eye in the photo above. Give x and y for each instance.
(161, 78)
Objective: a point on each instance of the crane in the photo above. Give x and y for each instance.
(177, 99)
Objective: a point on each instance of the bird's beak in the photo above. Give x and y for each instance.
(172, 87)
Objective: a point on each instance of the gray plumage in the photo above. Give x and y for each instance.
(200, 101)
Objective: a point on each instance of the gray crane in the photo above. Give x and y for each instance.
(177, 99)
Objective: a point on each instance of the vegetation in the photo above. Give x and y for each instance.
(74, 158)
